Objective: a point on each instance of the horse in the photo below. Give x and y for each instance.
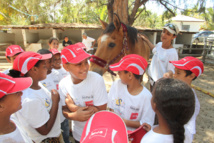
(116, 41)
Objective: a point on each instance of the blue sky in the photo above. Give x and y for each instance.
(154, 7)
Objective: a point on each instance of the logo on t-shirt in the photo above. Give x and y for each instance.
(47, 103)
(134, 116)
(89, 103)
(44, 84)
(119, 102)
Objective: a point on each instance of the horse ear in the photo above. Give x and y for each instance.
(116, 21)
(103, 23)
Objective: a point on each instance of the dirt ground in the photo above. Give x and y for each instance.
(205, 119)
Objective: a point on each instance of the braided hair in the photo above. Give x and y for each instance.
(175, 101)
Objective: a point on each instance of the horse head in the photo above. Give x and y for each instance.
(111, 43)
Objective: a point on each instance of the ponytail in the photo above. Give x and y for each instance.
(177, 131)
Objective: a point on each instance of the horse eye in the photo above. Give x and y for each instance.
(111, 45)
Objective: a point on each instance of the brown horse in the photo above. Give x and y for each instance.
(116, 41)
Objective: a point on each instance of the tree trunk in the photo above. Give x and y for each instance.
(120, 7)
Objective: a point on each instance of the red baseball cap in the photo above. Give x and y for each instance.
(136, 135)
(190, 63)
(104, 127)
(10, 85)
(25, 61)
(133, 63)
(13, 50)
(54, 51)
(74, 54)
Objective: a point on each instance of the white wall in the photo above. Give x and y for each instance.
(194, 26)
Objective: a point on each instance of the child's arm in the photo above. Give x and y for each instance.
(133, 124)
(45, 129)
(82, 114)
(151, 46)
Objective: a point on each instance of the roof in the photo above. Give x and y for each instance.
(74, 26)
(186, 18)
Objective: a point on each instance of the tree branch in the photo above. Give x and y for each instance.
(165, 5)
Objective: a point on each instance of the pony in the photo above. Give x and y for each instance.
(116, 41)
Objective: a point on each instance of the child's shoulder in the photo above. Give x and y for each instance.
(145, 92)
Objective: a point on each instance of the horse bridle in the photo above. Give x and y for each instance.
(102, 63)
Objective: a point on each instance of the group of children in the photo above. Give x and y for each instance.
(54, 93)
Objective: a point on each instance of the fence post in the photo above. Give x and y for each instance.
(204, 50)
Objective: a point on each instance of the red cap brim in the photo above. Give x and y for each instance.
(179, 67)
(46, 56)
(21, 84)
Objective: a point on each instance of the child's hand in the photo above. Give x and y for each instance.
(70, 103)
(83, 114)
(55, 95)
(168, 74)
(93, 108)
(146, 127)
(142, 37)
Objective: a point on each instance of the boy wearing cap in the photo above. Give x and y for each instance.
(57, 64)
(85, 88)
(188, 69)
(11, 53)
(127, 97)
(163, 52)
(10, 102)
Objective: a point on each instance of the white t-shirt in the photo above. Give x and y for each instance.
(88, 43)
(62, 72)
(17, 136)
(129, 107)
(160, 61)
(191, 124)
(36, 105)
(153, 137)
(52, 80)
(91, 91)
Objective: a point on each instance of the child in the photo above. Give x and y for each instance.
(85, 88)
(53, 43)
(173, 102)
(10, 102)
(57, 64)
(11, 53)
(53, 77)
(66, 42)
(187, 70)
(39, 115)
(52, 82)
(163, 53)
(127, 97)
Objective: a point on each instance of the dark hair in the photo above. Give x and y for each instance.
(44, 51)
(189, 73)
(132, 32)
(15, 73)
(135, 75)
(175, 101)
(51, 40)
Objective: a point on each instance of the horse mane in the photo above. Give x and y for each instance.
(132, 32)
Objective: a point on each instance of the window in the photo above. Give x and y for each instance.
(185, 27)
